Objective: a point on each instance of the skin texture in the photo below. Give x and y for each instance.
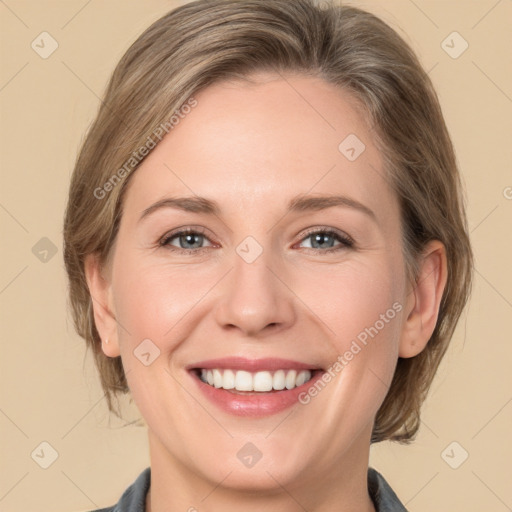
(252, 147)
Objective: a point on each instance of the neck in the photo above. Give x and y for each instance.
(341, 488)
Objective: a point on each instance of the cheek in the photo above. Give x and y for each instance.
(362, 306)
(355, 298)
(154, 301)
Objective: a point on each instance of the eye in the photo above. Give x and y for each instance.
(325, 239)
(190, 240)
(185, 240)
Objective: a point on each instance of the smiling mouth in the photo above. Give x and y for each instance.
(253, 387)
(244, 382)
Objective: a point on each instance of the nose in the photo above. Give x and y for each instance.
(255, 299)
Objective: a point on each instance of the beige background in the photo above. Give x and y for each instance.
(49, 389)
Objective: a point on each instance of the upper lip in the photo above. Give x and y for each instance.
(252, 365)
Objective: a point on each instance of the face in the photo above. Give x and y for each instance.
(288, 305)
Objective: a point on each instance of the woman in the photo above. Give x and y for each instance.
(267, 247)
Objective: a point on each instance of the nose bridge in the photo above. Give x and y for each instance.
(254, 297)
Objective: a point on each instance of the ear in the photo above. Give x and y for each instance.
(100, 289)
(424, 299)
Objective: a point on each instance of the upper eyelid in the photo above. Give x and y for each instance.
(180, 231)
(327, 229)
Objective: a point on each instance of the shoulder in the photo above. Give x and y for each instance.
(134, 497)
(384, 498)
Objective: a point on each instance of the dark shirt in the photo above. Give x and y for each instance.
(134, 498)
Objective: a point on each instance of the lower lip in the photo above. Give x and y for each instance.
(255, 404)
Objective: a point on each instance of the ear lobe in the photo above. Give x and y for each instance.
(101, 297)
(424, 300)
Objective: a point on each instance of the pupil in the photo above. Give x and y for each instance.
(321, 238)
(189, 238)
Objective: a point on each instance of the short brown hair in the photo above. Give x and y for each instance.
(206, 41)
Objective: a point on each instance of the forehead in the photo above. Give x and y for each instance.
(262, 142)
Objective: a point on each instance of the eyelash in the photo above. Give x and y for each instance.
(346, 241)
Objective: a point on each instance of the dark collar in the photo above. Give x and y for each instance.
(384, 498)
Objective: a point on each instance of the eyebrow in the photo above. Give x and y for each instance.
(302, 203)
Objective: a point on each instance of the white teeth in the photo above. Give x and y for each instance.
(291, 379)
(229, 379)
(243, 381)
(263, 381)
(301, 378)
(217, 379)
(279, 382)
